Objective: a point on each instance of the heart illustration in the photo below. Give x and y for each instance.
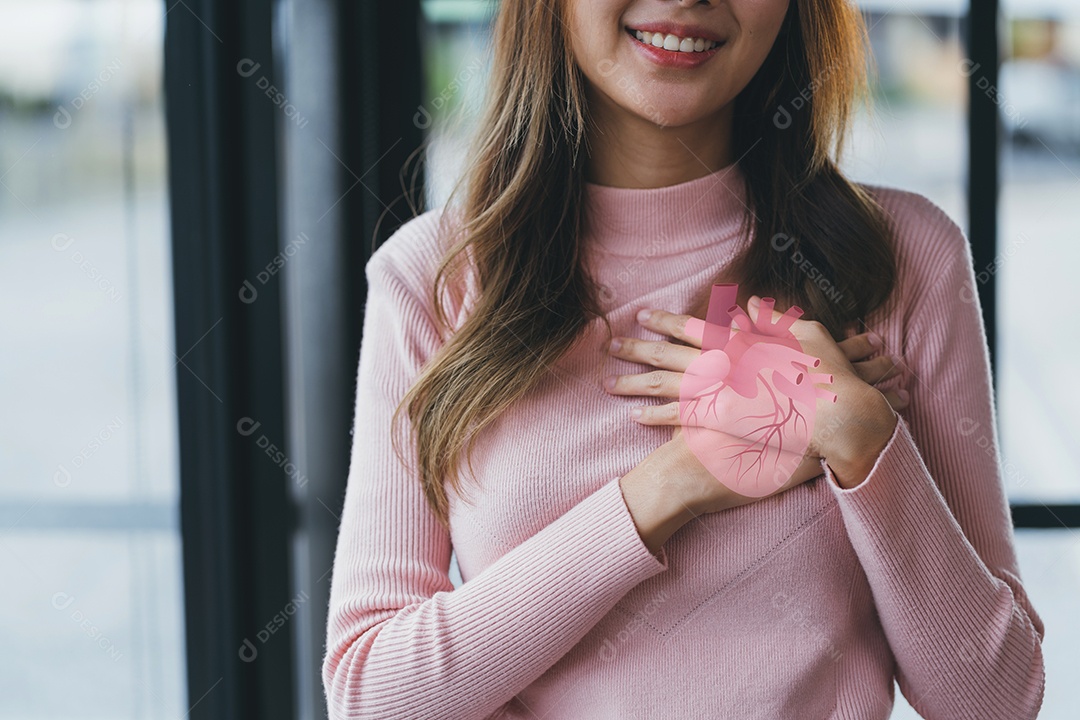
(747, 403)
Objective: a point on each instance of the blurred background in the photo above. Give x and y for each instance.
(188, 193)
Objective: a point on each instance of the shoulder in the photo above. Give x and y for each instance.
(929, 245)
(406, 263)
(922, 229)
(412, 252)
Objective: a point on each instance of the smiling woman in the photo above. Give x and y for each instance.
(631, 156)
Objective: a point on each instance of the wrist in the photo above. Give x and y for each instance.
(852, 461)
(655, 502)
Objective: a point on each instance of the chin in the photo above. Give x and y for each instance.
(670, 111)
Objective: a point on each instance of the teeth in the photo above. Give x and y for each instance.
(674, 43)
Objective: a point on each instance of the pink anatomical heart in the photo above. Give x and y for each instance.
(747, 403)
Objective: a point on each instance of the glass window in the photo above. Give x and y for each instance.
(914, 134)
(1039, 101)
(455, 39)
(89, 542)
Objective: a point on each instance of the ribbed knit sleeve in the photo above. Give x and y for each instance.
(931, 525)
(401, 641)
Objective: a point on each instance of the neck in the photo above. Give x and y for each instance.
(641, 223)
(629, 151)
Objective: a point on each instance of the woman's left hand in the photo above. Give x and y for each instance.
(849, 434)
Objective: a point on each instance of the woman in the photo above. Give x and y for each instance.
(633, 153)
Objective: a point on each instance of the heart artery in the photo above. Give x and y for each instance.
(747, 403)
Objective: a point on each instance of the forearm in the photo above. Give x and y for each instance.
(966, 639)
(403, 646)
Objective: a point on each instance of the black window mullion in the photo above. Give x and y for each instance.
(1056, 517)
(984, 152)
(234, 501)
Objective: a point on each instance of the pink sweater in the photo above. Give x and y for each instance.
(803, 605)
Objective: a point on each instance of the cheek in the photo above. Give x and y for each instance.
(592, 29)
(762, 19)
(760, 24)
(760, 12)
(594, 33)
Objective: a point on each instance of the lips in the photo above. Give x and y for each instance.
(675, 46)
(678, 30)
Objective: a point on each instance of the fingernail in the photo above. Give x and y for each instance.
(895, 359)
(635, 413)
(903, 395)
(615, 345)
(643, 316)
(609, 382)
(874, 340)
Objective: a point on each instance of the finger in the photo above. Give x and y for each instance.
(756, 303)
(658, 414)
(898, 399)
(763, 315)
(878, 369)
(659, 353)
(859, 347)
(658, 383)
(686, 328)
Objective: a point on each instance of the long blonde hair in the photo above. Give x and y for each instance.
(522, 217)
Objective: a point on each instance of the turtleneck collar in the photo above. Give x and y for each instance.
(630, 222)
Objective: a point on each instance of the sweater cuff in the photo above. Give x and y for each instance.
(617, 520)
(898, 462)
(897, 495)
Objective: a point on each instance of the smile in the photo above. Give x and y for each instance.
(673, 43)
